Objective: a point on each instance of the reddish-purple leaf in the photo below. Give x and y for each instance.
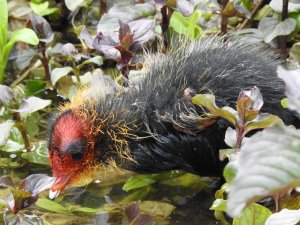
(42, 28)
(124, 31)
(6, 181)
(106, 45)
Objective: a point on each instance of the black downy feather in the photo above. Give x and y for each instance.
(159, 101)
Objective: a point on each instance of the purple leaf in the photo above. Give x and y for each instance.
(106, 45)
(37, 183)
(87, 37)
(143, 31)
(42, 28)
(124, 30)
(185, 7)
(6, 181)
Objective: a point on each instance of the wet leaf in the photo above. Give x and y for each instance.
(157, 208)
(187, 180)
(85, 210)
(276, 5)
(6, 94)
(285, 216)
(139, 194)
(37, 183)
(12, 147)
(133, 213)
(208, 101)
(254, 214)
(268, 163)
(5, 128)
(21, 219)
(58, 73)
(52, 206)
(38, 154)
(32, 104)
(138, 181)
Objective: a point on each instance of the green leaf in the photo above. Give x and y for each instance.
(85, 210)
(263, 12)
(33, 87)
(186, 180)
(12, 147)
(139, 181)
(32, 104)
(230, 171)
(269, 162)
(5, 130)
(52, 206)
(284, 103)
(209, 102)
(254, 214)
(3, 23)
(138, 194)
(24, 35)
(219, 204)
(263, 120)
(285, 216)
(43, 9)
(186, 25)
(58, 73)
(38, 154)
(156, 208)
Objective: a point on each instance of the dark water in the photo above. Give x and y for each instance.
(192, 203)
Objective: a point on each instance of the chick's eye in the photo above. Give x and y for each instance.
(77, 156)
(76, 149)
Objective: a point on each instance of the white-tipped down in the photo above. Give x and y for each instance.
(53, 194)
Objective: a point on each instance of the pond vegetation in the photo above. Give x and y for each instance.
(49, 51)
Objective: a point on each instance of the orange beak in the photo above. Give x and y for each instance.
(59, 185)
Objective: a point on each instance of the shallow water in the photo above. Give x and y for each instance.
(191, 202)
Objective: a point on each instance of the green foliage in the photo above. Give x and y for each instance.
(8, 40)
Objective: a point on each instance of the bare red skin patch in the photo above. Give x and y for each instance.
(68, 129)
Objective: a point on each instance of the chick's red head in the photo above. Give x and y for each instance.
(70, 150)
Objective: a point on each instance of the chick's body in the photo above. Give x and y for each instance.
(153, 126)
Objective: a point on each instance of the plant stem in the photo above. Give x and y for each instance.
(45, 60)
(283, 39)
(253, 12)
(103, 7)
(224, 18)
(76, 71)
(21, 126)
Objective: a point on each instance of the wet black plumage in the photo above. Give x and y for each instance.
(157, 113)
